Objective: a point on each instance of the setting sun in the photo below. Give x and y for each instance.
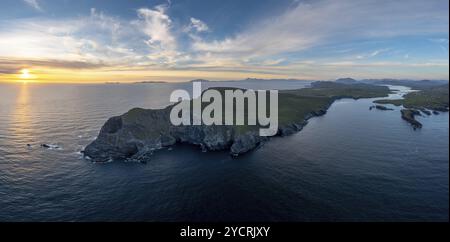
(25, 74)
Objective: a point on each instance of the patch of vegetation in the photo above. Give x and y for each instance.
(434, 98)
(294, 106)
(336, 90)
(416, 85)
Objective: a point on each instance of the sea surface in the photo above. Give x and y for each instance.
(353, 164)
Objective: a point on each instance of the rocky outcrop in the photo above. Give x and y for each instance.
(380, 107)
(139, 132)
(426, 112)
(409, 116)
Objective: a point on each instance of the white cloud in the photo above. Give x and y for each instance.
(93, 41)
(324, 22)
(106, 22)
(156, 24)
(440, 41)
(162, 43)
(146, 40)
(197, 25)
(34, 4)
(271, 62)
(94, 38)
(372, 54)
(272, 45)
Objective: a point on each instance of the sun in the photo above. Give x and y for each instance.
(25, 74)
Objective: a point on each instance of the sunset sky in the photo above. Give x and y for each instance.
(128, 41)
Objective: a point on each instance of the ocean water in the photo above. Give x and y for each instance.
(352, 164)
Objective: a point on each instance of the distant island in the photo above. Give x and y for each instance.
(149, 82)
(204, 80)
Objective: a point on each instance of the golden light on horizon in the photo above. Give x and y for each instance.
(25, 74)
(41, 74)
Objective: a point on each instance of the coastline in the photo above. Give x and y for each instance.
(138, 133)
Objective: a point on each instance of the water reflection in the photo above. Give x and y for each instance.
(22, 116)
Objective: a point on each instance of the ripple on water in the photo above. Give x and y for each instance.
(351, 164)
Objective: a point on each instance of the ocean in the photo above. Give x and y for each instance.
(352, 164)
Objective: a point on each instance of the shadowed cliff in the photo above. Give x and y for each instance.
(139, 132)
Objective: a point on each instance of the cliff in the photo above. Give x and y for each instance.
(137, 133)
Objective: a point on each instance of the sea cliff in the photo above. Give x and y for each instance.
(139, 132)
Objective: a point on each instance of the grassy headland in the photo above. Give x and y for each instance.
(433, 98)
(139, 131)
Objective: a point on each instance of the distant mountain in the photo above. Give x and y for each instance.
(347, 80)
(268, 80)
(200, 80)
(422, 84)
(248, 80)
(150, 82)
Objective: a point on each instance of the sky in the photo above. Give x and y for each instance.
(178, 40)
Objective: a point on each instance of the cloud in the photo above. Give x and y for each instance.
(442, 43)
(156, 24)
(197, 25)
(161, 42)
(302, 41)
(7, 70)
(111, 24)
(146, 40)
(441, 63)
(315, 23)
(440, 40)
(271, 62)
(95, 38)
(34, 4)
(313, 26)
(14, 65)
(372, 54)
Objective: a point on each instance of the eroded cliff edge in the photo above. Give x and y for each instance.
(137, 133)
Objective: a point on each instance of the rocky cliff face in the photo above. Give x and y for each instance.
(139, 132)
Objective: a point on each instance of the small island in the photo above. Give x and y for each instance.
(408, 115)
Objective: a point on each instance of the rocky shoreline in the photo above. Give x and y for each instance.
(138, 133)
(409, 116)
(116, 141)
(381, 107)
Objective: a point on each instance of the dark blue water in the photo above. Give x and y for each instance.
(350, 165)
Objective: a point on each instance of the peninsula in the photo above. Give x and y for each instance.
(426, 98)
(139, 132)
